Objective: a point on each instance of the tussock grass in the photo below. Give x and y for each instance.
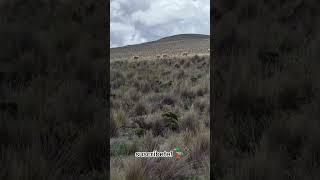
(169, 102)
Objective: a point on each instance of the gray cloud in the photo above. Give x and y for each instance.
(138, 21)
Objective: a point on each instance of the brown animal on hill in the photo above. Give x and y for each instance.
(165, 56)
(135, 57)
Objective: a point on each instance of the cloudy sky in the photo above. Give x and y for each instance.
(138, 21)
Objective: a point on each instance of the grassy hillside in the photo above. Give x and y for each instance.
(173, 46)
(160, 105)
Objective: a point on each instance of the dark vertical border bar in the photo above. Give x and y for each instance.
(265, 90)
(107, 32)
(34, 137)
(211, 85)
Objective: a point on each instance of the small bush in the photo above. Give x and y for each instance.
(180, 74)
(187, 64)
(159, 125)
(201, 104)
(146, 87)
(193, 79)
(190, 122)
(117, 79)
(135, 169)
(113, 127)
(119, 118)
(188, 136)
(168, 100)
(133, 94)
(201, 147)
(188, 94)
(140, 132)
(125, 148)
(201, 89)
(149, 142)
(140, 109)
(121, 149)
(195, 58)
(171, 168)
(172, 119)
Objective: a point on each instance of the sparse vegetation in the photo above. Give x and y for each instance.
(171, 109)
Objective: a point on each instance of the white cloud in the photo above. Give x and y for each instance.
(137, 21)
(128, 34)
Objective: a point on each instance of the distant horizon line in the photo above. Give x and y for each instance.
(160, 39)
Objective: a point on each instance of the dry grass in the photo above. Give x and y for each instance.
(167, 105)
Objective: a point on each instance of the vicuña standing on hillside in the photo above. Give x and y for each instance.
(135, 57)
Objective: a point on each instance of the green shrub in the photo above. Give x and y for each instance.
(125, 148)
(121, 149)
(172, 119)
(140, 132)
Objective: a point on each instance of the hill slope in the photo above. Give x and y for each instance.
(172, 46)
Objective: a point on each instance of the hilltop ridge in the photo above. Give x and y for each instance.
(171, 45)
